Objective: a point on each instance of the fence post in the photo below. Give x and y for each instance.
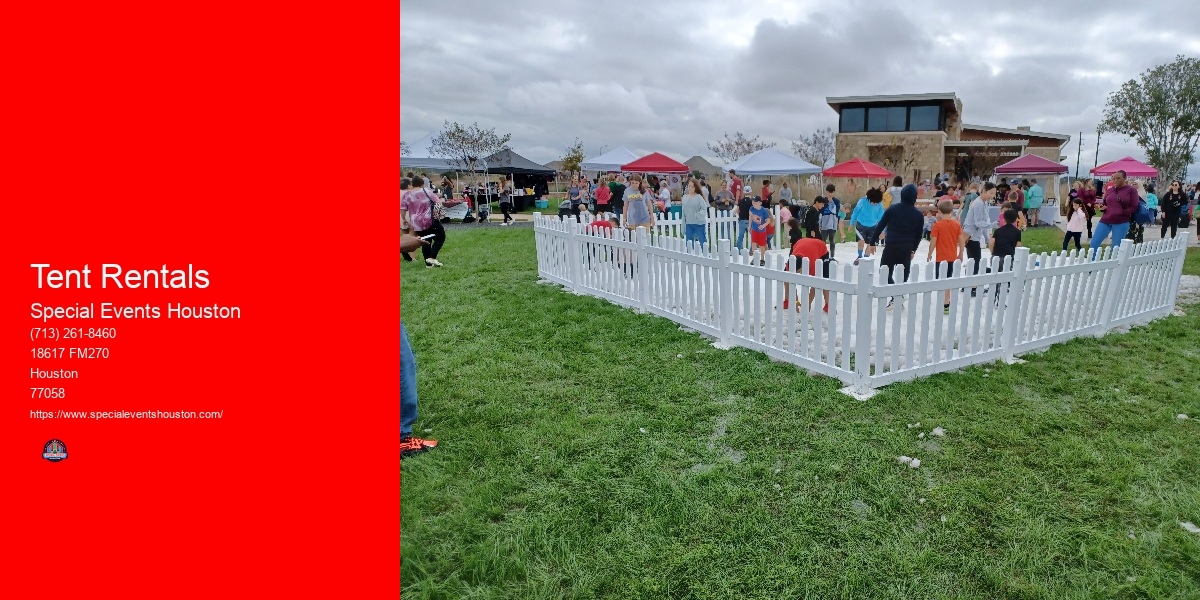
(574, 255)
(1177, 271)
(1116, 284)
(725, 295)
(642, 265)
(1013, 307)
(537, 239)
(864, 295)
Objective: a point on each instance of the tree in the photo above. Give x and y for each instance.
(573, 158)
(467, 146)
(818, 148)
(731, 149)
(1161, 112)
(893, 156)
(405, 150)
(697, 175)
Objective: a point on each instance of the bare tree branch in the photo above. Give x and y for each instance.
(818, 148)
(467, 146)
(731, 149)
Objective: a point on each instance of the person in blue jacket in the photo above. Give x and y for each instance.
(865, 217)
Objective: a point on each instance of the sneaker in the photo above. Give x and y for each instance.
(413, 445)
(762, 262)
(429, 262)
(945, 309)
(856, 261)
(435, 263)
(407, 257)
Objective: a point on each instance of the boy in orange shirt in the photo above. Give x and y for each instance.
(944, 238)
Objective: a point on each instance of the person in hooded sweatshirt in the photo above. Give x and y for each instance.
(904, 224)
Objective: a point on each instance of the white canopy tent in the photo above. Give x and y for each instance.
(770, 161)
(609, 161)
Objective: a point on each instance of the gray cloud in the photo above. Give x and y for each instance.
(671, 76)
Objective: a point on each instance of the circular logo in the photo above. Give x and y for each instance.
(54, 451)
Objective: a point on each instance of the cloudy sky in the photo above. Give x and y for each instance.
(671, 75)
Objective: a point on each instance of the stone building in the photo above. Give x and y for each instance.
(921, 135)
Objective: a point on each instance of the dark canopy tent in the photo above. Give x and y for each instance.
(508, 162)
(525, 174)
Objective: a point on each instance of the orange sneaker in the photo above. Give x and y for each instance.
(413, 445)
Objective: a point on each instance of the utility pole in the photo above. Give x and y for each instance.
(1097, 159)
(1079, 153)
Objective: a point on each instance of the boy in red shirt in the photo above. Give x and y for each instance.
(815, 250)
(944, 237)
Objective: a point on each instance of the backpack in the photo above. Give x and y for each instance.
(1142, 215)
(435, 206)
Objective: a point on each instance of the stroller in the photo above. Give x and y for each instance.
(484, 207)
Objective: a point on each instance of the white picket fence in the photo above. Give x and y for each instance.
(1026, 303)
(719, 225)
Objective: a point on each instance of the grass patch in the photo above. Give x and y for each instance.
(752, 479)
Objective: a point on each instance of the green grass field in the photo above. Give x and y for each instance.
(590, 452)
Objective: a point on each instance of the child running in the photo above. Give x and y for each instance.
(759, 217)
(1075, 223)
(1006, 240)
(944, 237)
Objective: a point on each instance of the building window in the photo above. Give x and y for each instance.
(925, 118)
(854, 120)
(886, 118)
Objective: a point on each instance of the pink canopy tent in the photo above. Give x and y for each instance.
(1030, 164)
(1132, 168)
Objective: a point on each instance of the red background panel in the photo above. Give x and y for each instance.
(261, 144)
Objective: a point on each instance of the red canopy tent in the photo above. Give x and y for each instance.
(857, 168)
(1030, 164)
(1132, 168)
(655, 163)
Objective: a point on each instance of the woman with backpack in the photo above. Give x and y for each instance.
(419, 208)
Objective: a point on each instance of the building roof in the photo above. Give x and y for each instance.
(974, 143)
(1024, 132)
(836, 102)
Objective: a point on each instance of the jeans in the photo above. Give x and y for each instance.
(1072, 235)
(439, 238)
(827, 237)
(896, 255)
(1170, 221)
(1118, 231)
(975, 253)
(743, 226)
(695, 233)
(408, 385)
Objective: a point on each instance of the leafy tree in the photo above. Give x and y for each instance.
(731, 149)
(467, 146)
(1161, 112)
(573, 158)
(697, 175)
(405, 150)
(819, 148)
